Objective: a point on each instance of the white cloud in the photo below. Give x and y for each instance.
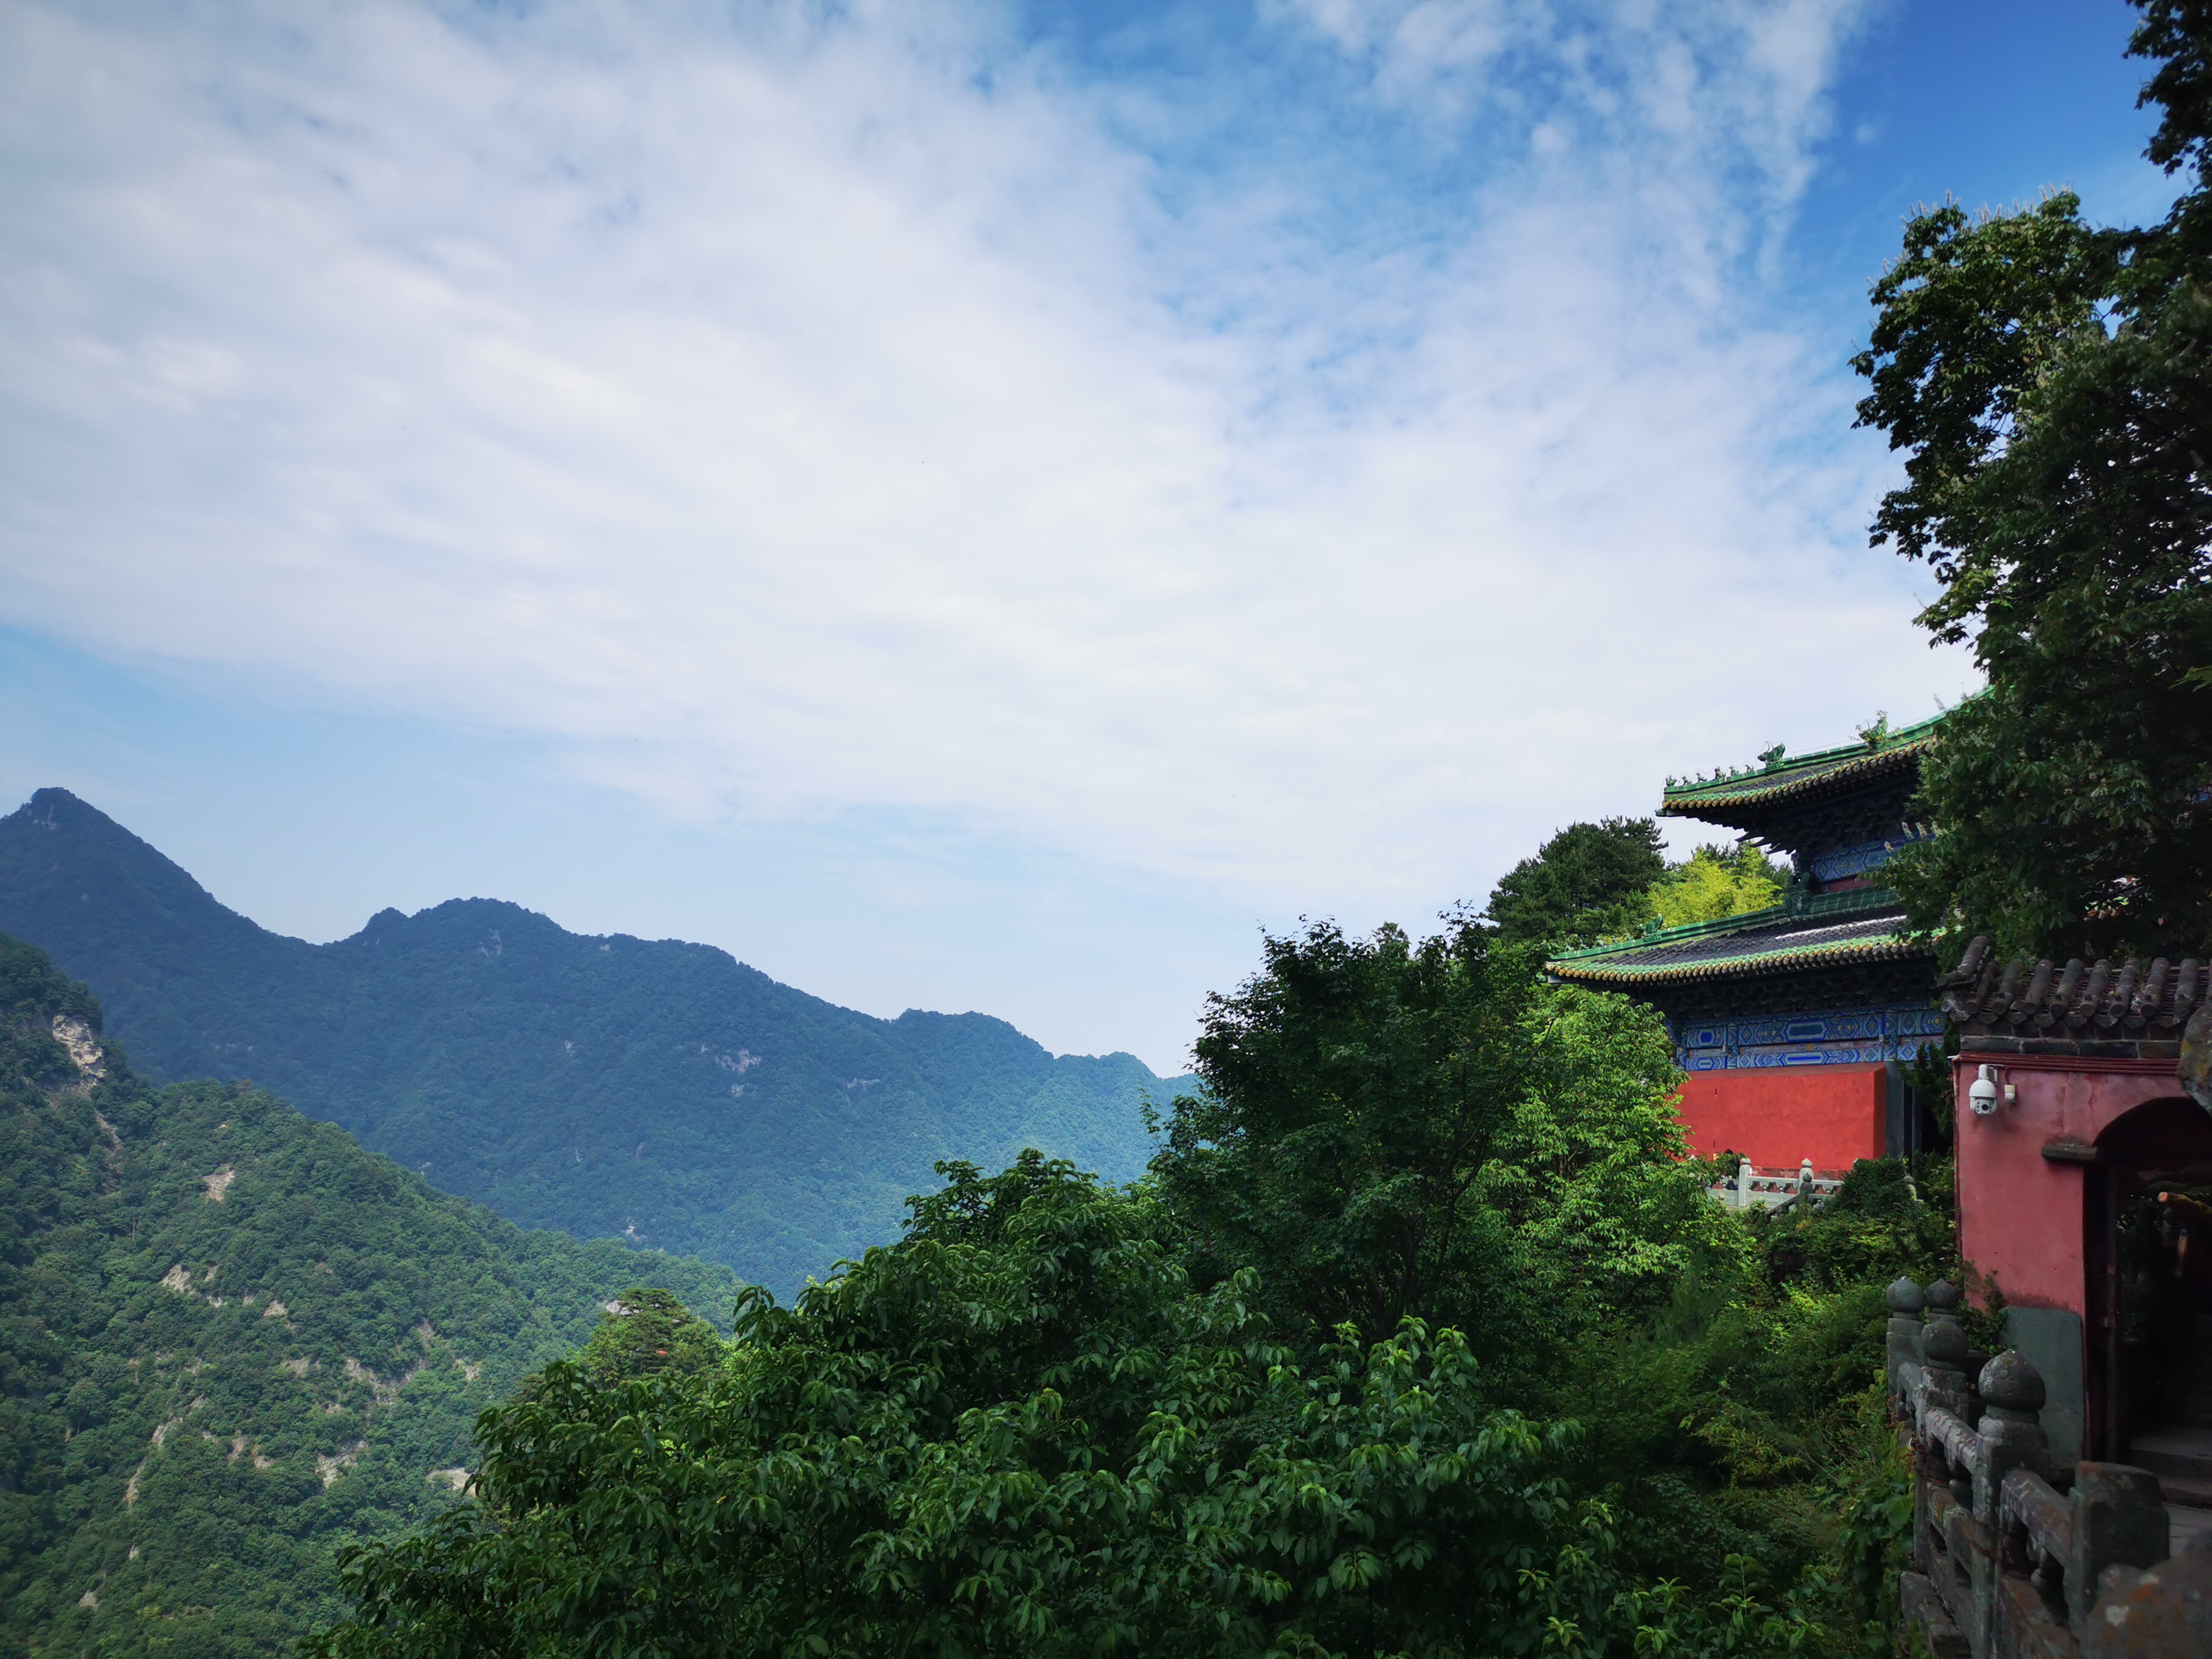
(825, 412)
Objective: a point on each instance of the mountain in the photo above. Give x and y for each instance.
(232, 1341)
(608, 1086)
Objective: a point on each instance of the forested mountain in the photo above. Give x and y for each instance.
(655, 1090)
(232, 1341)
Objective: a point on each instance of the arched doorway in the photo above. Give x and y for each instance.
(2148, 1247)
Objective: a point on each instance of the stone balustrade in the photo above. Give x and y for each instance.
(1750, 1187)
(2013, 1558)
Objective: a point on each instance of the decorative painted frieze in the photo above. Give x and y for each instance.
(1848, 863)
(1835, 1036)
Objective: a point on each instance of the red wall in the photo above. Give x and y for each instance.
(1778, 1118)
(2020, 1214)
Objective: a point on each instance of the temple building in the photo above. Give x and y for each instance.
(1796, 1023)
(2084, 1147)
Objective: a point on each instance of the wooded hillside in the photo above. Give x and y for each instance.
(232, 1341)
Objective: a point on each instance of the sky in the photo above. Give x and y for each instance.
(966, 505)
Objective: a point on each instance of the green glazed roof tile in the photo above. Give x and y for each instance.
(1833, 928)
(1791, 777)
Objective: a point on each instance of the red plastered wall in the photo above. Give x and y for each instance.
(2019, 1213)
(1832, 1114)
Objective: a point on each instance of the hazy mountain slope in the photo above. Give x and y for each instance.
(659, 1091)
(232, 1340)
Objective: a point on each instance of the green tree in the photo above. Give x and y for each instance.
(1587, 882)
(1715, 882)
(2048, 382)
(1397, 1126)
(1393, 1127)
(1058, 1417)
(1021, 1431)
(647, 1332)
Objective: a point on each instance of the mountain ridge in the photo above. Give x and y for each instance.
(658, 1090)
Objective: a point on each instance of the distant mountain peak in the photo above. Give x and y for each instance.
(605, 1085)
(54, 806)
(67, 870)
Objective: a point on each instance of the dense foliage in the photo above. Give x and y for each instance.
(647, 1332)
(1715, 882)
(1572, 1406)
(233, 1342)
(1398, 1127)
(1028, 1433)
(1425, 1126)
(1595, 882)
(658, 1092)
(1589, 882)
(2048, 382)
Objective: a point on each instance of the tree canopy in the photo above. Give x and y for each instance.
(1395, 1127)
(1023, 1430)
(1421, 1339)
(1589, 882)
(647, 1332)
(1715, 882)
(2047, 379)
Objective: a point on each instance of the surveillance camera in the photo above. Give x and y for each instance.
(1982, 1096)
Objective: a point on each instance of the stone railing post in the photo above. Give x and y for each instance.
(2119, 1519)
(1938, 1593)
(2011, 1435)
(1906, 1299)
(1943, 1350)
(1903, 1368)
(1943, 1388)
(2011, 1426)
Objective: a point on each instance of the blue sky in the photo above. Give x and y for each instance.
(966, 506)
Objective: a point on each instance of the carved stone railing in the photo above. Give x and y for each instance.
(2010, 1555)
(1750, 1187)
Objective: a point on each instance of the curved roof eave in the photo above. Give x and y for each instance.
(1624, 975)
(1804, 777)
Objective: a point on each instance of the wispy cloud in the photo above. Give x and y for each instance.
(857, 408)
